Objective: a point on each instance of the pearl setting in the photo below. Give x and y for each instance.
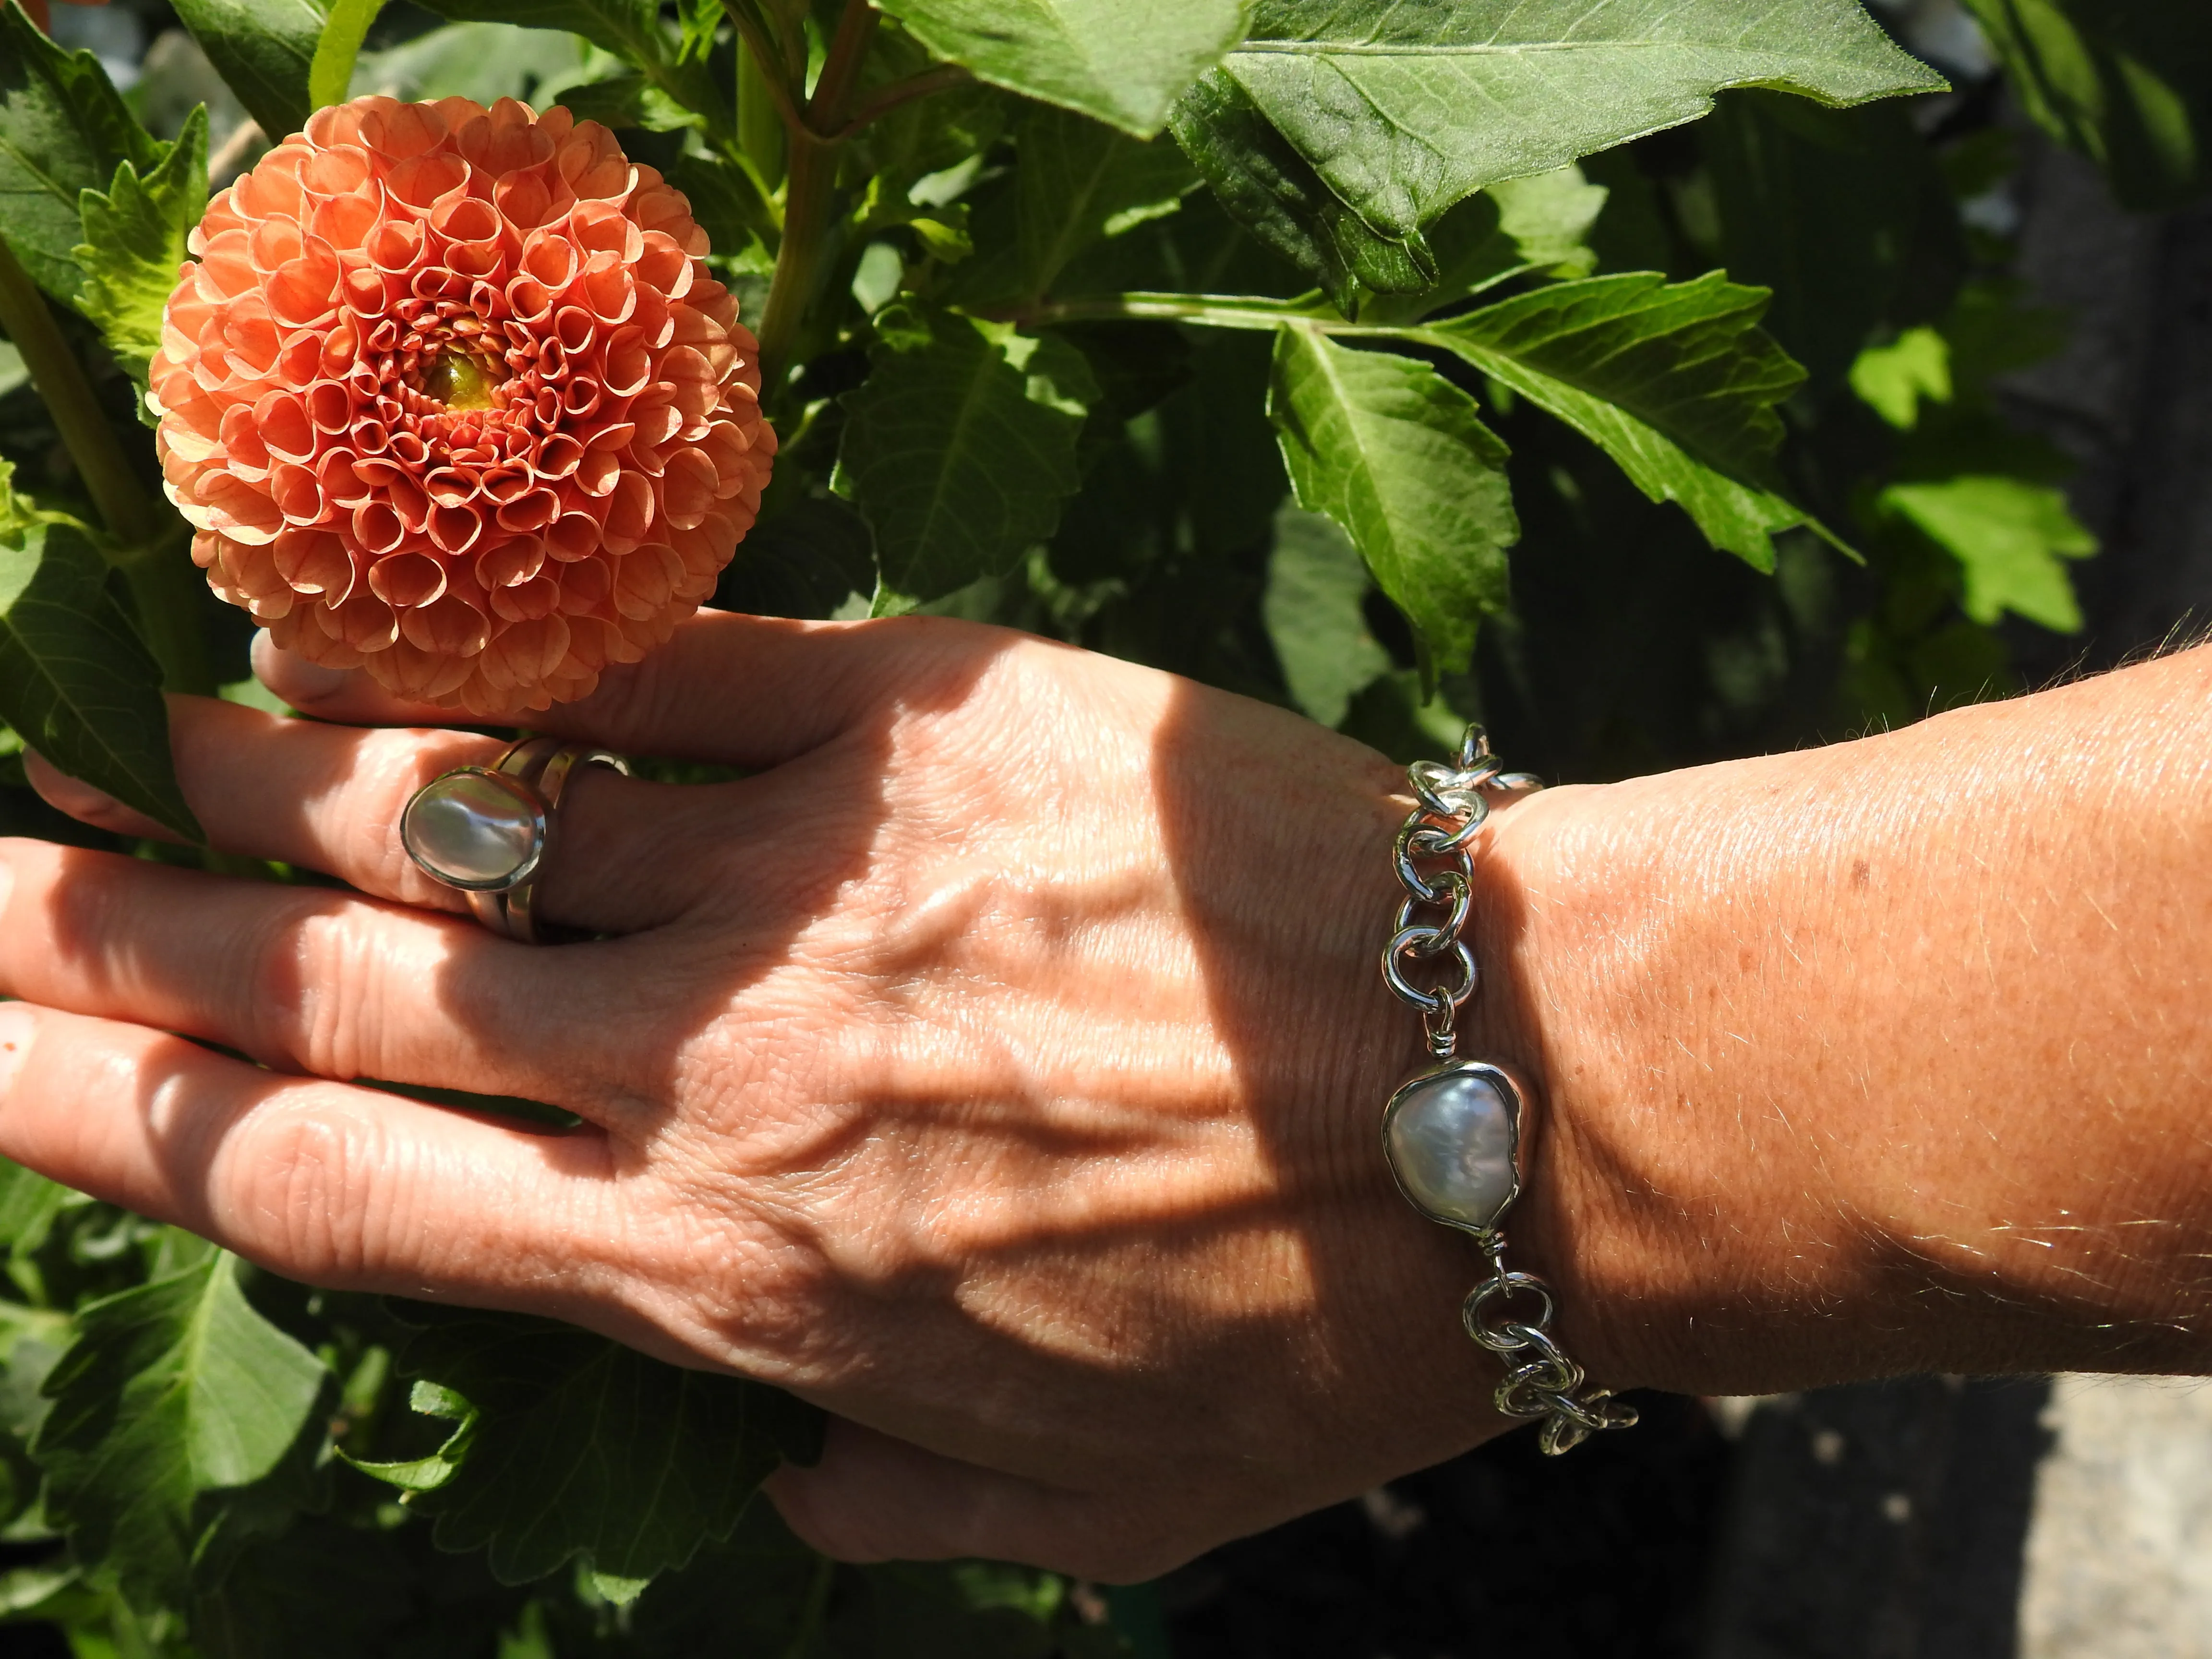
(1456, 1137)
(479, 830)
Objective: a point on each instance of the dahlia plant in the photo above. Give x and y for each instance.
(1620, 372)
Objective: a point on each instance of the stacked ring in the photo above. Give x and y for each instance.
(485, 830)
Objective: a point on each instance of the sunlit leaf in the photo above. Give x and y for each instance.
(1674, 380)
(1400, 459)
(2011, 539)
(133, 246)
(1404, 108)
(1123, 61)
(64, 129)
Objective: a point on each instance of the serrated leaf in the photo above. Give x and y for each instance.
(1892, 380)
(76, 679)
(1123, 61)
(1079, 182)
(1400, 459)
(959, 451)
(264, 50)
(583, 1448)
(1315, 583)
(2011, 539)
(631, 29)
(133, 246)
(64, 129)
(1403, 109)
(172, 1391)
(1275, 194)
(1674, 380)
(2126, 82)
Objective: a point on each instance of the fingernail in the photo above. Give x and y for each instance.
(15, 1026)
(292, 677)
(63, 792)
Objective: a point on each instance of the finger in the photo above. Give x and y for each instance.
(739, 690)
(631, 854)
(310, 980)
(873, 1498)
(332, 1185)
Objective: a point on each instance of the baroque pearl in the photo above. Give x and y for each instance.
(478, 830)
(1453, 1139)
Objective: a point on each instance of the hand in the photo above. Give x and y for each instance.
(997, 1066)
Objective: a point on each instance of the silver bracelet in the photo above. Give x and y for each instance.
(1457, 1136)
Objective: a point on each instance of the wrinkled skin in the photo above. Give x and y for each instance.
(998, 1066)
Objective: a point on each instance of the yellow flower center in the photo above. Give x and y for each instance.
(461, 379)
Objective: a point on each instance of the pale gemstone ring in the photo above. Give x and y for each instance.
(486, 829)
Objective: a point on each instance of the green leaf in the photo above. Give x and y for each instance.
(133, 246)
(2010, 538)
(264, 49)
(2127, 82)
(1674, 380)
(583, 1448)
(1893, 378)
(960, 451)
(1404, 109)
(64, 129)
(1123, 61)
(632, 100)
(1400, 459)
(75, 679)
(631, 29)
(1079, 182)
(1275, 194)
(1316, 583)
(172, 1391)
(483, 61)
(329, 72)
(1523, 225)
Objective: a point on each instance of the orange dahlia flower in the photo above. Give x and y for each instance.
(448, 394)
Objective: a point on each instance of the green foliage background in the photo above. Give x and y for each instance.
(1618, 372)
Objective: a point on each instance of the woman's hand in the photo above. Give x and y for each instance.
(998, 1066)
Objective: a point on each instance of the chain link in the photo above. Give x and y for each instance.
(1429, 965)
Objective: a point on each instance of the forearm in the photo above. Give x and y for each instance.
(1886, 1056)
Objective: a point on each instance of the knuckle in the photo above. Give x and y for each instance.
(312, 982)
(307, 1187)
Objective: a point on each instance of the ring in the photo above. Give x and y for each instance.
(485, 830)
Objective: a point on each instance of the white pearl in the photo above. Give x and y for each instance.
(1450, 1138)
(472, 829)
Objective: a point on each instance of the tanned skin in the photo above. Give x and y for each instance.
(998, 1063)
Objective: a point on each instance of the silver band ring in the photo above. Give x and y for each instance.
(485, 830)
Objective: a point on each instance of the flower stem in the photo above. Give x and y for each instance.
(148, 542)
(808, 191)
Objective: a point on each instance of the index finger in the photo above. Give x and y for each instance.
(750, 691)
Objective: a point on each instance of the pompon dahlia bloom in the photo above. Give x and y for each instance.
(448, 394)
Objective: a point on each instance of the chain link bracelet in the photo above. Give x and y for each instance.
(1457, 1136)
